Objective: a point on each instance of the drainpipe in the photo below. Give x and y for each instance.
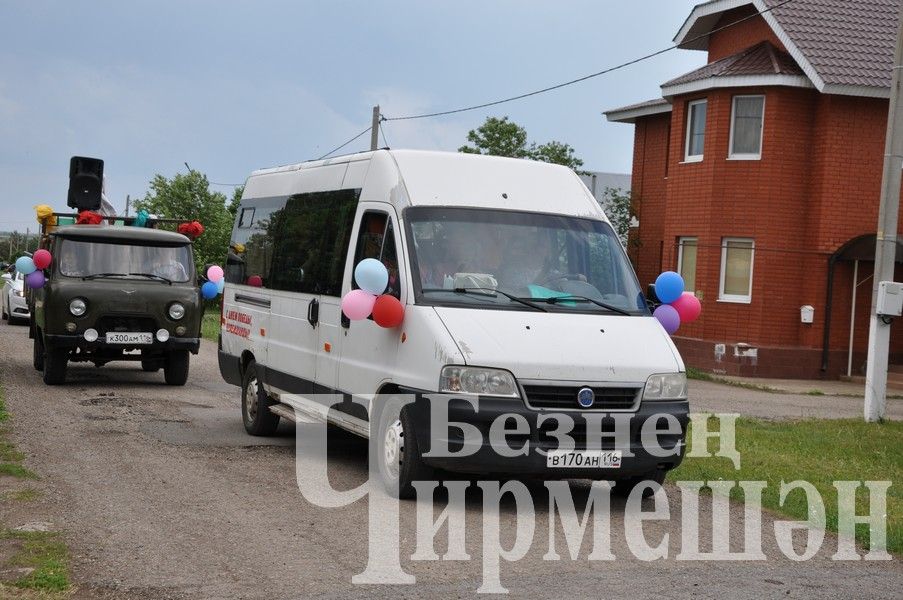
(827, 335)
(852, 318)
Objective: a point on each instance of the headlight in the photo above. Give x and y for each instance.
(667, 386)
(19, 293)
(176, 311)
(477, 380)
(78, 307)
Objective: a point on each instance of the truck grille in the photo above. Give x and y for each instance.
(125, 323)
(564, 397)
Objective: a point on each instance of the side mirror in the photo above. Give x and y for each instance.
(7, 276)
(651, 295)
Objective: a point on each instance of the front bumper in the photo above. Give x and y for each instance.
(18, 307)
(486, 459)
(100, 346)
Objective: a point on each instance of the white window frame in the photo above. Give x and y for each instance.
(687, 156)
(730, 147)
(680, 257)
(736, 298)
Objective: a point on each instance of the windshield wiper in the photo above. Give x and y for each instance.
(571, 298)
(472, 290)
(153, 276)
(98, 275)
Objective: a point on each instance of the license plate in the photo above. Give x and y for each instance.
(583, 459)
(129, 338)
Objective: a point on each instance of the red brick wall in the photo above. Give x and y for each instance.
(740, 36)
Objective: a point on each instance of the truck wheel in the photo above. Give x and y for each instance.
(623, 487)
(255, 404)
(3, 309)
(150, 366)
(38, 352)
(400, 457)
(55, 360)
(175, 367)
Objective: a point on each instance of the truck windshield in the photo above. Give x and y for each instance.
(561, 263)
(78, 258)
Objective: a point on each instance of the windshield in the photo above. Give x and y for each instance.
(557, 262)
(78, 258)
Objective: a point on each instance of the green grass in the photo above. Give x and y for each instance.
(23, 495)
(700, 375)
(817, 451)
(44, 552)
(815, 393)
(210, 324)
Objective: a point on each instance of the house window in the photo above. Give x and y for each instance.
(686, 261)
(696, 111)
(736, 270)
(746, 127)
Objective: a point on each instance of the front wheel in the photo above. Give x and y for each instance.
(399, 455)
(55, 363)
(37, 358)
(255, 404)
(175, 368)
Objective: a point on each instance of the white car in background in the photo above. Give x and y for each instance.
(12, 304)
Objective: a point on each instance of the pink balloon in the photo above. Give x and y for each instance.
(688, 307)
(668, 317)
(215, 273)
(358, 304)
(41, 259)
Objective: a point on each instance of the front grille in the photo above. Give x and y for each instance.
(125, 323)
(564, 397)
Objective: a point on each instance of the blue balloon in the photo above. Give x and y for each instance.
(220, 285)
(25, 265)
(208, 290)
(372, 276)
(669, 286)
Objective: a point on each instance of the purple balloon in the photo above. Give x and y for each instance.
(669, 318)
(35, 280)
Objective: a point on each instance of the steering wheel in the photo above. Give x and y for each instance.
(560, 276)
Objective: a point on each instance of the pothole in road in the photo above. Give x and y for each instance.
(106, 400)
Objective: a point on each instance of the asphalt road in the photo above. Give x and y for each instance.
(161, 494)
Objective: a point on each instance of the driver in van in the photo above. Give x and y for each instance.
(171, 269)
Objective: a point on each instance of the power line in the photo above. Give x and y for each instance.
(585, 77)
(382, 130)
(346, 143)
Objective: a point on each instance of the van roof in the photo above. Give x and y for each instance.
(120, 233)
(459, 179)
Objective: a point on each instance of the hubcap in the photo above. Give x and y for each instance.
(393, 448)
(251, 399)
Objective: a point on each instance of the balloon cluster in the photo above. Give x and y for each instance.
(33, 268)
(372, 277)
(678, 306)
(216, 282)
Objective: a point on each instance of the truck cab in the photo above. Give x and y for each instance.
(117, 293)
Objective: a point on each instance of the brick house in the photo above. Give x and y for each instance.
(758, 177)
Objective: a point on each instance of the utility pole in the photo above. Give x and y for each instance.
(886, 240)
(374, 129)
(128, 202)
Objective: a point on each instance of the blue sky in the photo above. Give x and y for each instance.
(233, 86)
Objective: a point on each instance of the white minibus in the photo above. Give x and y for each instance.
(522, 314)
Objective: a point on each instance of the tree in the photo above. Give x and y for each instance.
(188, 196)
(501, 137)
(617, 207)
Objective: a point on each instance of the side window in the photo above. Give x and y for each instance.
(376, 239)
(313, 232)
(250, 255)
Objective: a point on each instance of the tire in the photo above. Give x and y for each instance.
(175, 367)
(150, 366)
(623, 487)
(399, 455)
(255, 404)
(55, 361)
(3, 310)
(38, 352)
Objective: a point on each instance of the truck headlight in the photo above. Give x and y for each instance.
(19, 293)
(666, 386)
(176, 311)
(78, 307)
(478, 381)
